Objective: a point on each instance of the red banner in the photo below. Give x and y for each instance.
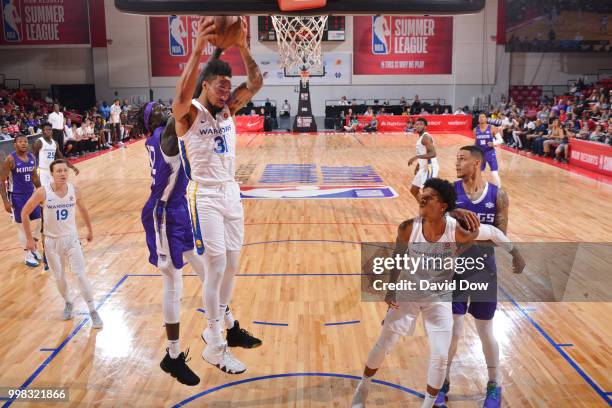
(249, 123)
(172, 39)
(435, 123)
(592, 156)
(398, 45)
(44, 22)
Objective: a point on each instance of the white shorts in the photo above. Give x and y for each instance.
(424, 174)
(217, 217)
(45, 177)
(60, 251)
(437, 317)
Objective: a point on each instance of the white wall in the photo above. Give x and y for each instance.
(528, 68)
(44, 67)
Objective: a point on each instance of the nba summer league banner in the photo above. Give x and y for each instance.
(44, 22)
(397, 45)
(172, 40)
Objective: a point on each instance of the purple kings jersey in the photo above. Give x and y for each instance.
(169, 182)
(20, 178)
(486, 209)
(484, 137)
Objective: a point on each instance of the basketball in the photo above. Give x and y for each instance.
(228, 30)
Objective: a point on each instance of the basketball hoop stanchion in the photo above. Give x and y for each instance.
(299, 47)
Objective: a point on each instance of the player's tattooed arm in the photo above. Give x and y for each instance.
(169, 140)
(245, 91)
(186, 85)
(6, 168)
(501, 215)
(401, 246)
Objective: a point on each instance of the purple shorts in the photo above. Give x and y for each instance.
(480, 310)
(178, 237)
(18, 201)
(490, 157)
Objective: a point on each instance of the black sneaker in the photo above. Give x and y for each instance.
(177, 368)
(237, 337)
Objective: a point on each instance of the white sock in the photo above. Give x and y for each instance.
(216, 332)
(228, 317)
(428, 401)
(174, 348)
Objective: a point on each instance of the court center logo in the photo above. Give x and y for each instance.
(177, 36)
(11, 21)
(381, 35)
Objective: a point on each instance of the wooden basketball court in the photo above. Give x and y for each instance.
(299, 280)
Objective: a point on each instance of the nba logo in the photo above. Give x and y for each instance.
(177, 36)
(381, 34)
(11, 21)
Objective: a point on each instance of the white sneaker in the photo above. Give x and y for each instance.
(68, 311)
(361, 395)
(30, 260)
(222, 358)
(37, 255)
(96, 320)
(206, 335)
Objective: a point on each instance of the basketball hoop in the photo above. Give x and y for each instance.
(299, 40)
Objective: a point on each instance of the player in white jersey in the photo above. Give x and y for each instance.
(46, 150)
(427, 164)
(59, 201)
(432, 235)
(207, 141)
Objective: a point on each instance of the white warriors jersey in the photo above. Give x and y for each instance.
(208, 149)
(421, 149)
(59, 213)
(46, 154)
(436, 257)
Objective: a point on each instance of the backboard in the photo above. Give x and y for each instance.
(265, 7)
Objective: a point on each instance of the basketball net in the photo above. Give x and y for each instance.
(299, 41)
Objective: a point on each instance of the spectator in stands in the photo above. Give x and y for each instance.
(105, 111)
(285, 110)
(369, 111)
(115, 122)
(343, 101)
(253, 112)
(4, 134)
(597, 135)
(56, 118)
(70, 140)
(372, 126)
(415, 108)
(101, 132)
(386, 103)
(556, 134)
(460, 111)
(268, 105)
(437, 108)
(126, 106)
(353, 123)
(403, 102)
(538, 131)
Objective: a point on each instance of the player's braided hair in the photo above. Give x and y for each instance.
(445, 190)
(136, 117)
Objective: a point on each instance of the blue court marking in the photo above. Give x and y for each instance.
(562, 352)
(343, 323)
(530, 309)
(47, 349)
(274, 376)
(271, 324)
(59, 348)
(199, 309)
(289, 173)
(565, 345)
